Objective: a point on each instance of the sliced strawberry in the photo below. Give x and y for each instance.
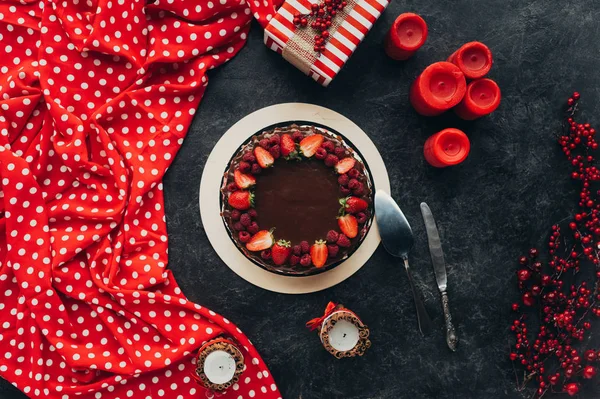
(242, 180)
(288, 146)
(344, 165)
(260, 241)
(281, 251)
(348, 225)
(353, 204)
(263, 157)
(319, 253)
(310, 144)
(241, 200)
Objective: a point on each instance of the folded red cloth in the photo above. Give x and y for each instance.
(95, 99)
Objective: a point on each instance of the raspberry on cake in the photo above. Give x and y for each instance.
(307, 189)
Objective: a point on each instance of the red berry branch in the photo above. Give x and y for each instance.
(549, 353)
(323, 14)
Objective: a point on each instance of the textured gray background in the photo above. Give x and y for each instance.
(490, 210)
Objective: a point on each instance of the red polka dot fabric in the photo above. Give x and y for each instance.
(95, 100)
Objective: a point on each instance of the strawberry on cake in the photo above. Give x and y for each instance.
(297, 200)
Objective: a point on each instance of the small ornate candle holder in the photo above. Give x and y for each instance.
(341, 331)
(219, 364)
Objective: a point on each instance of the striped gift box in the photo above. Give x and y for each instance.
(280, 34)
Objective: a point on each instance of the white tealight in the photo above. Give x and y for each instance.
(219, 367)
(343, 336)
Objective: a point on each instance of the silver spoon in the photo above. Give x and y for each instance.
(397, 238)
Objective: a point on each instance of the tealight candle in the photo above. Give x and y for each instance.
(407, 34)
(482, 98)
(440, 87)
(219, 364)
(474, 59)
(446, 148)
(343, 336)
(341, 332)
(219, 367)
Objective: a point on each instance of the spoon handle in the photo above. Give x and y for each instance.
(422, 315)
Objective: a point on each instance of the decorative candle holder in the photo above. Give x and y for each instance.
(474, 59)
(440, 87)
(407, 34)
(219, 364)
(341, 331)
(446, 148)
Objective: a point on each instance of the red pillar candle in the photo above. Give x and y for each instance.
(440, 87)
(446, 148)
(474, 59)
(482, 98)
(407, 34)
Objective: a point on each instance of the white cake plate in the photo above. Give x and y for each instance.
(210, 186)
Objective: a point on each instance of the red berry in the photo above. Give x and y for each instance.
(343, 180)
(524, 274)
(353, 173)
(361, 218)
(333, 250)
(360, 190)
(305, 260)
(297, 250)
(256, 169)
(297, 136)
(245, 220)
(353, 184)
(245, 167)
(343, 241)
(275, 151)
(331, 160)
(244, 236)
(274, 140)
(332, 236)
(252, 213)
(345, 190)
(253, 228)
(321, 153)
(572, 389)
(329, 146)
(294, 260)
(590, 355)
(528, 299)
(249, 157)
(266, 254)
(339, 152)
(589, 372)
(235, 214)
(239, 227)
(231, 187)
(264, 143)
(305, 246)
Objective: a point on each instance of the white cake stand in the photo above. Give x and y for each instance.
(210, 186)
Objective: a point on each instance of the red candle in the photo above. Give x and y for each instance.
(407, 34)
(482, 98)
(446, 148)
(440, 87)
(474, 59)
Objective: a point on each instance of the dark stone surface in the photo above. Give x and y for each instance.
(490, 210)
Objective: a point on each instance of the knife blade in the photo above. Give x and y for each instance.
(439, 267)
(435, 248)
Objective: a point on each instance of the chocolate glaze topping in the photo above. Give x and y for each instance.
(299, 199)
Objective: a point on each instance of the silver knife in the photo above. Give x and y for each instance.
(439, 266)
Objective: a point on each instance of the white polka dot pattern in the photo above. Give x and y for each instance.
(95, 99)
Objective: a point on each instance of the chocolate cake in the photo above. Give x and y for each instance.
(297, 200)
